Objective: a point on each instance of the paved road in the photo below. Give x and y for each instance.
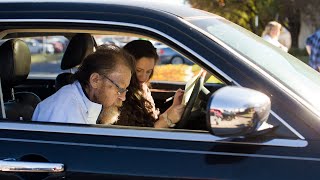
(46, 67)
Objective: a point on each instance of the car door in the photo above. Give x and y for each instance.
(124, 153)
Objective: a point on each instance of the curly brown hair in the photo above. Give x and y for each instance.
(136, 110)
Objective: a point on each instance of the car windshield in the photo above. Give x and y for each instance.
(290, 71)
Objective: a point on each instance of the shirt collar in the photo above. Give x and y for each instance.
(93, 109)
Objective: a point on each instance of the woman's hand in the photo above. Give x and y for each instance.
(178, 97)
(176, 109)
(174, 113)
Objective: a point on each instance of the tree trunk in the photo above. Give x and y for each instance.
(294, 26)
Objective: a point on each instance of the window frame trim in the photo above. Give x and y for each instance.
(138, 132)
(164, 35)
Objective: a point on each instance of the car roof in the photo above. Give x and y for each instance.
(182, 11)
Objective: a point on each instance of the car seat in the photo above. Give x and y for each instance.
(15, 60)
(79, 47)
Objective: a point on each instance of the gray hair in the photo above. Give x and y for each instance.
(103, 61)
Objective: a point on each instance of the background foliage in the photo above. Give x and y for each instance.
(289, 13)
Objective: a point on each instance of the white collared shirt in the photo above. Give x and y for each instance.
(68, 105)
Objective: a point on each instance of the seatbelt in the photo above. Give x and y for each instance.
(3, 113)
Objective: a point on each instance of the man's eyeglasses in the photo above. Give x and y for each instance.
(120, 90)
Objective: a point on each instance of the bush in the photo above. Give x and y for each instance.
(300, 54)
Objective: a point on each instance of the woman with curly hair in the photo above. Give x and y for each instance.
(139, 108)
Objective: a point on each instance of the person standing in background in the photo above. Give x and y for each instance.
(285, 38)
(313, 49)
(271, 34)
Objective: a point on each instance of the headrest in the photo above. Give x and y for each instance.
(15, 60)
(80, 46)
(62, 80)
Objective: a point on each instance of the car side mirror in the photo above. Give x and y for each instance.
(237, 111)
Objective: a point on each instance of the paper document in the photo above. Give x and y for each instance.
(189, 88)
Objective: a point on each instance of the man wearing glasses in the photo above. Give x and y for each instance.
(100, 81)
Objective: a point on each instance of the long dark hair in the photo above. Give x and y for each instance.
(137, 110)
(140, 49)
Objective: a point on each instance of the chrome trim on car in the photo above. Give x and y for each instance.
(168, 134)
(171, 39)
(34, 167)
(3, 112)
(163, 149)
(287, 125)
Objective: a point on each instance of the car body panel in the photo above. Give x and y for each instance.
(103, 148)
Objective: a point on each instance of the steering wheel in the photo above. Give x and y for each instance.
(187, 111)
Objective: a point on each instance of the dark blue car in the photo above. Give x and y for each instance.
(169, 56)
(260, 121)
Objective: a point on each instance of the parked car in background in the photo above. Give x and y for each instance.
(34, 46)
(37, 47)
(169, 56)
(108, 40)
(59, 43)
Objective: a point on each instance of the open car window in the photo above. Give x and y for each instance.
(46, 54)
(169, 75)
(173, 71)
(172, 65)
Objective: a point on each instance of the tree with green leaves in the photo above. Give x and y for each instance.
(255, 14)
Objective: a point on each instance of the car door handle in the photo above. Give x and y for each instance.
(22, 166)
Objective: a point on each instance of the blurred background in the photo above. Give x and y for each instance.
(299, 18)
